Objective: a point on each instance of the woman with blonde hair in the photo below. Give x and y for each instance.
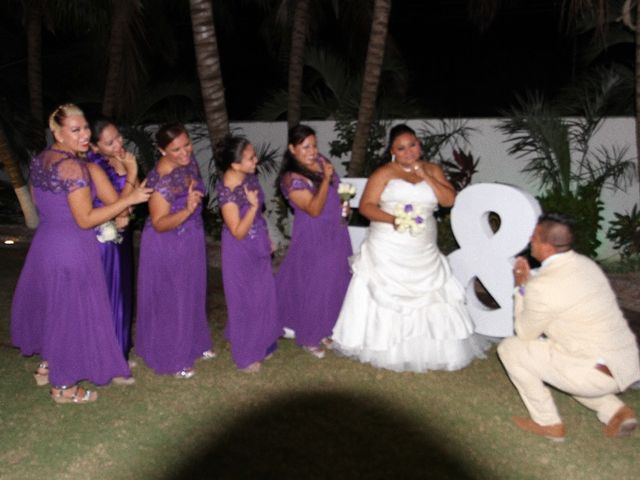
(61, 308)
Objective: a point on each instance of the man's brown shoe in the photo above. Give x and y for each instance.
(552, 432)
(622, 423)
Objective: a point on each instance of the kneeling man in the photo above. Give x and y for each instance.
(571, 334)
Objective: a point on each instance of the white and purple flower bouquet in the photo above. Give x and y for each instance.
(108, 232)
(409, 218)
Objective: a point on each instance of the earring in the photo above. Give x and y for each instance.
(393, 158)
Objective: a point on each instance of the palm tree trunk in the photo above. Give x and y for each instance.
(21, 188)
(296, 61)
(121, 10)
(373, 68)
(35, 11)
(209, 72)
(637, 89)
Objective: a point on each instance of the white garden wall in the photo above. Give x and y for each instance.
(486, 143)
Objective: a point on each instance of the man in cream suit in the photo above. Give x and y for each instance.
(570, 333)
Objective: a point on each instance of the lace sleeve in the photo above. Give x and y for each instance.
(72, 173)
(227, 195)
(162, 185)
(294, 181)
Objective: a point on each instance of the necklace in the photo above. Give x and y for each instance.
(407, 169)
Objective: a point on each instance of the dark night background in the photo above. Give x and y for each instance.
(453, 67)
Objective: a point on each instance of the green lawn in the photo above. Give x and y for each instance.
(298, 418)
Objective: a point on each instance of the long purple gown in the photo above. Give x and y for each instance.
(117, 260)
(61, 308)
(313, 278)
(249, 286)
(172, 330)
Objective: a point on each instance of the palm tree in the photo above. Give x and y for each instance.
(296, 61)
(209, 72)
(34, 14)
(373, 67)
(11, 166)
(123, 56)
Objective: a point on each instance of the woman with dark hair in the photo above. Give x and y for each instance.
(172, 331)
(61, 308)
(249, 287)
(404, 310)
(314, 275)
(107, 154)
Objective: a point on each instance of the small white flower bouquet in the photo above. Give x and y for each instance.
(346, 191)
(108, 232)
(409, 218)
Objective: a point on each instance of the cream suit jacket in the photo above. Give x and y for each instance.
(571, 302)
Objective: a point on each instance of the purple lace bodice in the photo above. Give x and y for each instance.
(238, 196)
(57, 171)
(118, 181)
(174, 188)
(294, 181)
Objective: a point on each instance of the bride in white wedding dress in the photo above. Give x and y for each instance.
(404, 310)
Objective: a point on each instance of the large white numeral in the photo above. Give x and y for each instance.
(489, 256)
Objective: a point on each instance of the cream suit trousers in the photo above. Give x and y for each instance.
(532, 363)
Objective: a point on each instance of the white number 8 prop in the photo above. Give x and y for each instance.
(489, 256)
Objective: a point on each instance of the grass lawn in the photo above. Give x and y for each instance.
(298, 418)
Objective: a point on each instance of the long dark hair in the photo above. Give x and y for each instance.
(98, 124)
(395, 132)
(229, 150)
(296, 136)
(168, 133)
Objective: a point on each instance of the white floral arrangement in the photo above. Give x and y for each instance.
(409, 218)
(346, 191)
(108, 232)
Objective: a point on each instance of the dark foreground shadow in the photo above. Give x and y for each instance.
(324, 436)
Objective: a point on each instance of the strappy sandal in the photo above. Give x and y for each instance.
(185, 373)
(317, 352)
(208, 355)
(42, 374)
(253, 368)
(79, 395)
(327, 342)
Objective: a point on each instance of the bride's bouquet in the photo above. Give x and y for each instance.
(108, 232)
(346, 191)
(409, 218)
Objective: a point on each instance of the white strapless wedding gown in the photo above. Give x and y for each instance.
(404, 310)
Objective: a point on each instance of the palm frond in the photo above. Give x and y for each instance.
(435, 135)
(609, 167)
(535, 132)
(267, 158)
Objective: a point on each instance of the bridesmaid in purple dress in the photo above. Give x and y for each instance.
(313, 278)
(108, 153)
(61, 308)
(249, 287)
(172, 331)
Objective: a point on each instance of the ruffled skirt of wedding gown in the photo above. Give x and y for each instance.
(404, 310)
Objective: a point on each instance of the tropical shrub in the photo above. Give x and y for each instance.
(560, 155)
(624, 231)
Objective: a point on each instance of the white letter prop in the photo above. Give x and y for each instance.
(490, 256)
